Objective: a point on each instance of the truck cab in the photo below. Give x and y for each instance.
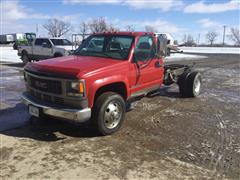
(95, 83)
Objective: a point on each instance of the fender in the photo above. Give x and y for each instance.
(96, 84)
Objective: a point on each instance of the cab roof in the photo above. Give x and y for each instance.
(50, 38)
(125, 33)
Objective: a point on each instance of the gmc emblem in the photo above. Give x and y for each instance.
(41, 85)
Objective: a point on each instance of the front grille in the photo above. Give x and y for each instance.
(58, 100)
(45, 85)
(46, 98)
(51, 91)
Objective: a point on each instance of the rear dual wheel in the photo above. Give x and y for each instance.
(190, 84)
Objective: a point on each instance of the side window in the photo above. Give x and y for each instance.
(145, 49)
(38, 42)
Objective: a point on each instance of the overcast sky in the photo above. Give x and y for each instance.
(177, 17)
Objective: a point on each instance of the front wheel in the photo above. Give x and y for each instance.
(109, 113)
(15, 46)
(57, 55)
(25, 58)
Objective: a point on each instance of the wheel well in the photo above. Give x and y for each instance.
(57, 54)
(118, 88)
(24, 52)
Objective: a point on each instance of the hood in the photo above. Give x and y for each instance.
(68, 48)
(73, 65)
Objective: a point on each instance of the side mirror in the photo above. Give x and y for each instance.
(162, 47)
(83, 41)
(45, 45)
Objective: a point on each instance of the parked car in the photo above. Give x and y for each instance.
(108, 71)
(6, 38)
(44, 48)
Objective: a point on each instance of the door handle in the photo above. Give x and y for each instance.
(158, 64)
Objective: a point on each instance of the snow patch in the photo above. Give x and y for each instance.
(172, 112)
(211, 50)
(180, 57)
(9, 55)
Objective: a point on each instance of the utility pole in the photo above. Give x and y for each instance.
(36, 29)
(224, 30)
(199, 38)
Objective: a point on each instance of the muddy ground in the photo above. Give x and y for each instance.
(164, 136)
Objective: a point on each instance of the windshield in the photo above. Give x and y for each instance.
(61, 42)
(110, 46)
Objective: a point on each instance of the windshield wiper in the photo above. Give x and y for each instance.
(80, 53)
(107, 55)
(88, 53)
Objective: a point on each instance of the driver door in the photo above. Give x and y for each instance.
(46, 49)
(146, 70)
(40, 51)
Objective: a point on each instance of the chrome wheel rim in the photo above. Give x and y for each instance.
(112, 115)
(197, 85)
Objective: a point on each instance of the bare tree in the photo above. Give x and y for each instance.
(111, 28)
(56, 27)
(184, 40)
(188, 40)
(98, 25)
(211, 37)
(130, 28)
(84, 29)
(149, 28)
(235, 36)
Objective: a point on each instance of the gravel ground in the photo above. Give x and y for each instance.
(164, 136)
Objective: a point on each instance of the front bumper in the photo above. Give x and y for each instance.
(57, 111)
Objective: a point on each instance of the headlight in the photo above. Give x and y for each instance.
(75, 88)
(68, 52)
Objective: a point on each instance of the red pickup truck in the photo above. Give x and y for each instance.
(105, 73)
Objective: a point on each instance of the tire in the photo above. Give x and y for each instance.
(15, 47)
(108, 113)
(194, 82)
(182, 84)
(25, 58)
(190, 84)
(58, 55)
